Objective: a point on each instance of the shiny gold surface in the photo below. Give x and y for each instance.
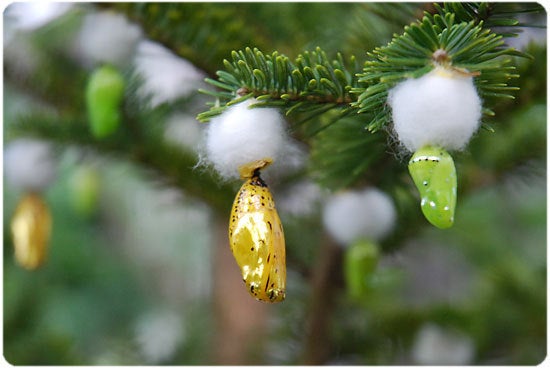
(31, 228)
(257, 241)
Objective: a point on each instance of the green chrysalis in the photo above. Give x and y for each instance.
(433, 172)
(104, 93)
(360, 261)
(84, 187)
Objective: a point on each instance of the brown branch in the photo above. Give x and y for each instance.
(240, 320)
(325, 280)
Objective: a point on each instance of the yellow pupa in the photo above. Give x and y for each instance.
(256, 236)
(31, 227)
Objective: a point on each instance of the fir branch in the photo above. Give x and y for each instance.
(61, 86)
(274, 80)
(372, 24)
(192, 30)
(147, 149)
(335, 165)
(498, 17)
(435, 40)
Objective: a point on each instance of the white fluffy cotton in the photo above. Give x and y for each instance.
(28, 16)
(301, 199)
(435, 345)
(291, 159)
(353, 215)
(159, 334)
(440, 108)
(166, 76)
(183, 130)
(242, 135)
(107, 37)
(29, 164)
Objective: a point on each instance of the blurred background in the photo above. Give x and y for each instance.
(139, 269)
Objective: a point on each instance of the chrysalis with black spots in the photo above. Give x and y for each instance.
(256, 237)
(433, 172)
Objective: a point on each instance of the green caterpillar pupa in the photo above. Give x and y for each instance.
(104, 94)
(360, 262)
(434, 174)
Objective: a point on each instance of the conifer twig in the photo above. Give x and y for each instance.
(312, 80)
(174, 165)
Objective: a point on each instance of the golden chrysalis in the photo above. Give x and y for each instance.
(256, 237)
(31, 227)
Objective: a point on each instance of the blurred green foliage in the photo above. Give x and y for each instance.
(485, 277)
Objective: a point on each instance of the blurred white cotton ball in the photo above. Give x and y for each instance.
(183, 129)
(107, 37)
(241, 135)
(29, 164)
(158, 334)
(20, 20)
(353, 215)
(166, 76)
(28, 16)
(301, 199)
(291, 159)
(435, 345)
(440, 108)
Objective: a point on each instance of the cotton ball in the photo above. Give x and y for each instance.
(301, 199)
(32, 15)
(29, 164)
(440, 108)
(343, 217)
(291, 160)
(435, 345)
(353, 215)
(382, 214)
(107, 38)
(158, 334)
(166, 76)
(20, 20)
(183, 130)
(242, 135)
